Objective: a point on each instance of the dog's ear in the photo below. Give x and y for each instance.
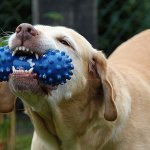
(7, 99)
(98, 66)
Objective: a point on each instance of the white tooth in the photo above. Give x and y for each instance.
(20, 48)
(27, 49)
(31, 52)
(13, 69)
(37, 56)
(26, 71)
(14, 52)
(23, 48)
(16, 48)
(30, 70)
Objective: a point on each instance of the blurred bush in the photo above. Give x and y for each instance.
(119, 20)
(14, 12)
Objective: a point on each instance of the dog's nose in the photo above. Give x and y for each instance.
(25, 31)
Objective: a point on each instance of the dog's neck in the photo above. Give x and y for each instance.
(69, 120)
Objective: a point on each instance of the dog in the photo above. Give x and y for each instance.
(105, 105)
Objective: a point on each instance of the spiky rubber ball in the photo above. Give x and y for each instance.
(53, 68)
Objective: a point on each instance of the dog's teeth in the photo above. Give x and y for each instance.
(37, 56)
(30, 70)
(27, 49)
(23, 48)
(13, 69)
(20, 48)
(16, 48)
(31, 52)
(14, 52)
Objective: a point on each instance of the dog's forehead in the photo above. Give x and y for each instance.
(77, 40)
(56, 31)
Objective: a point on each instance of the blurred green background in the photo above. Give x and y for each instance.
(117, 21)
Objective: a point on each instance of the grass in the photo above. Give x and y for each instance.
(23, 142)
(24, 132)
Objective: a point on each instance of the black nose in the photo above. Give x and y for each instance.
(25, 31)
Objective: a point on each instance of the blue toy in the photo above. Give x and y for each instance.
(53, 68)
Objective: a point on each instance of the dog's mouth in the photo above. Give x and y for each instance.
(23, 80)
(23, 51)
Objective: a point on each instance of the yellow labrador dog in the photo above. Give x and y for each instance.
(106, 104)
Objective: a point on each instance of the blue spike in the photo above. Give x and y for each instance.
(1, 70)
(59, 58)
(4, 78)
(58, 67)
(50, 80)
(57, 51)
(40, 76)
(51, 61)
(58, 77)
(62, 53)
(68, 60)
(65, 67)
(41, 66)
(67, 56)
(9, 59)
(45, 66)
(53, 52)
(7, 69)
(3, 60)
(70, 72)
(70, 66)
(7, 51)
(49, 72)
(64, 81)
(69, 78)
(66, 75)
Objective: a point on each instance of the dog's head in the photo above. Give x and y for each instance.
(90, 76)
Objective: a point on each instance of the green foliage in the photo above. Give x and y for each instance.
(23, 142)
(3, 41)
(14, 12)
(4, 129)
(120, 20)
(54, 16)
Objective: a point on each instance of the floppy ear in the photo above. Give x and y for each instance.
(100, 69)
(7, 99)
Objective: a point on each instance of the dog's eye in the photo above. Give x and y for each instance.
(64, 42)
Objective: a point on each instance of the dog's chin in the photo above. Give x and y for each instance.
(26, 83)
